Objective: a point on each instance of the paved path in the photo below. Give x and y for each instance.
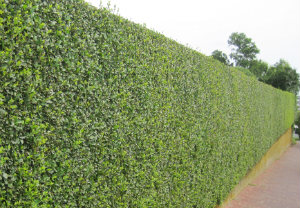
(277, 187)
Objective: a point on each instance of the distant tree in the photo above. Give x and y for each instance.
(244, 49)
(259, 68)
(297, 122)
(222, 57)
(244, 52)
(284, 77)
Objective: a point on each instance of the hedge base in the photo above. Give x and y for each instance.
(275, 152)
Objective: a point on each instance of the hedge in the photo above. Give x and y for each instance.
(97, 111)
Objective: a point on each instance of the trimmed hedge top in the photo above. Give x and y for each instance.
(96, 111)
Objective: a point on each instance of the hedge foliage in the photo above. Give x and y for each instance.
(97, 111)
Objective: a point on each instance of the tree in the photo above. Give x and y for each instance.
(244, 52)
(222, 57)
(284, 77)
(259, 68)
(297, 122)
(244, 49)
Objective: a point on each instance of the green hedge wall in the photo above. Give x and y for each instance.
(97, 111)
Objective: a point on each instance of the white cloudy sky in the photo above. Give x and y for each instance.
(205, 25)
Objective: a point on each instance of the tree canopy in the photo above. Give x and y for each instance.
(244, 50)
(259, 68)
(222, 57)
(283, 76)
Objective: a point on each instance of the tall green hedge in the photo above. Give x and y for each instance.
(96, 111)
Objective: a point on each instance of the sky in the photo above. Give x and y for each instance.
(274, 25)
